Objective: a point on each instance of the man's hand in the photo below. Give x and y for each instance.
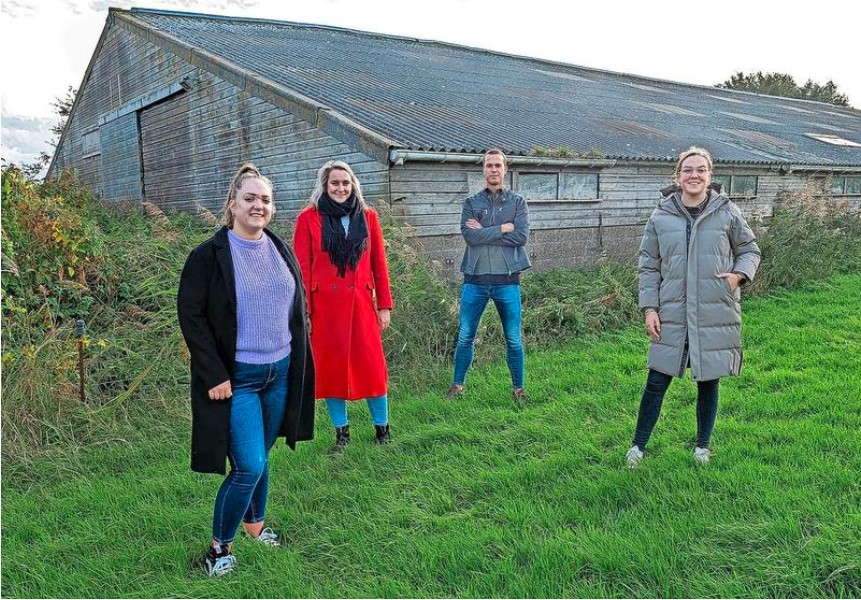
(473, 224)
(507, 227)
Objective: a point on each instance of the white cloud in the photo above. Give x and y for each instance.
(23, 138)
(16, 8)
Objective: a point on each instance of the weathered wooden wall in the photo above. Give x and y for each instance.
(429, 196)
(192, 140)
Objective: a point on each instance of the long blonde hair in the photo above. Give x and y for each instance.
(323, 180)
(246, 171)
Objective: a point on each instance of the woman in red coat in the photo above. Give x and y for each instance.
(339, 245)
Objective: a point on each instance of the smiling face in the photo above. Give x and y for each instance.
(494, 171)
(252, 208)
(694, 177)
(339, 186)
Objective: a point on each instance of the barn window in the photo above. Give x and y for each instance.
(835, 185)
(843, 186)
(744, 186)
(91, 143)
(578, 186)
(557, 186)
(538, 186)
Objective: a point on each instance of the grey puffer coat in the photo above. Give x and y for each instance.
(679, 262)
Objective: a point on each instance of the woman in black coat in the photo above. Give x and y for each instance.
(241, 307)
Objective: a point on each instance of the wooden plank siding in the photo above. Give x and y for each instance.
(429, 197)
(193, 142)
(209, 131)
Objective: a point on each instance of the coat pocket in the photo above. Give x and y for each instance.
(373, 291)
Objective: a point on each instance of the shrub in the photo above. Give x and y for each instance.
(134, 354)
(810, 238)
(50, 249)
(424, 324)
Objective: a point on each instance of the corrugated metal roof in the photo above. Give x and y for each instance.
(434, 96)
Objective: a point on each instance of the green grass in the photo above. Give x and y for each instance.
(481, 499)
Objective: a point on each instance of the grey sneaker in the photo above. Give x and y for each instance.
(454, 392)
(702, 455)
(634, 456)
(520, 396)
(219, 565)
(269, 538)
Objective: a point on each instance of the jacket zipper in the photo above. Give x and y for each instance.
(493, 222)
(689, 225)
(688, 228)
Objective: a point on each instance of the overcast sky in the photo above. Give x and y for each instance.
(47, 44)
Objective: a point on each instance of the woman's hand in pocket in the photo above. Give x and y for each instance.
(734, 279)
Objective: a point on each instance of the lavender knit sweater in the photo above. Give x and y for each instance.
(265, 289)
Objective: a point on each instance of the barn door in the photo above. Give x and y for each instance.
(121, 158)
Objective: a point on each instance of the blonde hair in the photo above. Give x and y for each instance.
(692, 151)
(495, 151)
(323, 179)
(245, 172)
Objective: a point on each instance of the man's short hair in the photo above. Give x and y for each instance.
(495, 151)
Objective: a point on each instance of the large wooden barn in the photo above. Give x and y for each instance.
(171, 104)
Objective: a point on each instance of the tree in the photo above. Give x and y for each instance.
(63, 108)
(781, 84)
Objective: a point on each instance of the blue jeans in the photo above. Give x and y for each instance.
(473, 301)
(653, 397)
(256, 413)
(379, 407)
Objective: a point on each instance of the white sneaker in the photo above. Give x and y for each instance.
(219, 565)
(634, 456)
(702, 455)
(269, 538)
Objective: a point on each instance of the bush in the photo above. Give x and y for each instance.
(424, 324)
(810, 238)
(125, 270)
(50, 249)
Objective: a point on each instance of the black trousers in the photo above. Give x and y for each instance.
(653, 397)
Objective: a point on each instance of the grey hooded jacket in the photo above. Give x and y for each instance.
(679, 262)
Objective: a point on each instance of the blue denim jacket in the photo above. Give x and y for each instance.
(507, 250)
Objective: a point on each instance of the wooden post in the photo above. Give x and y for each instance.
(600, 230)
(79, 336)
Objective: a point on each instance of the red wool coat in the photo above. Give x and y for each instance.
(345, 334)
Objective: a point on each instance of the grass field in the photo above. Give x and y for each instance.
(477, 498)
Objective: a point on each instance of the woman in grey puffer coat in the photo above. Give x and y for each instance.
(697, 251)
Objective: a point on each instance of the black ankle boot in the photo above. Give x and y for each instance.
(342, 438)
(383, 435)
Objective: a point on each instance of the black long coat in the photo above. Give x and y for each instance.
(206, 305)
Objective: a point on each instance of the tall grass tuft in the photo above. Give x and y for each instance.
(424, 324)
(811, 237)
